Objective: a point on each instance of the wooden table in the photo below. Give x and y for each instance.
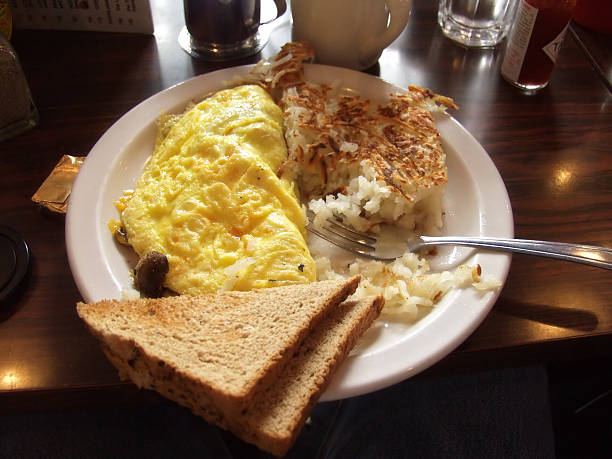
(553, 151)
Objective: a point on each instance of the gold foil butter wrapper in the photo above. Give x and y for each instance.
(54, 192)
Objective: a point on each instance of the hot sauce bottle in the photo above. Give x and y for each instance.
(534, 42)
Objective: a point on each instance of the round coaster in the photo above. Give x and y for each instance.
(14, 260)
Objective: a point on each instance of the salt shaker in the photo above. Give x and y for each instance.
(534, 42)
(17, 110)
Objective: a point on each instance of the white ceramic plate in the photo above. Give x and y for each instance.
(477, 204)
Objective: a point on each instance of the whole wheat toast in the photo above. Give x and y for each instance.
(222, 348)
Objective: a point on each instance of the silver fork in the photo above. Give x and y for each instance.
(365, 245)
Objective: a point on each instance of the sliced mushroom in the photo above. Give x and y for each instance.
(121, 235)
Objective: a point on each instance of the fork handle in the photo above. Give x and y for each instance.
(601, 257)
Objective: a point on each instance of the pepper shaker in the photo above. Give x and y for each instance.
(17, 110)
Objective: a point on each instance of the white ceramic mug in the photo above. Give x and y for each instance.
(349, 33)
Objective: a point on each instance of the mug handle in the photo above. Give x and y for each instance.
(281, 7)
(399, 10)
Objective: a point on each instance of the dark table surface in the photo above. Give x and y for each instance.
(552, 149)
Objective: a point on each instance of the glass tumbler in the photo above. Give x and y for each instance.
(476, 23)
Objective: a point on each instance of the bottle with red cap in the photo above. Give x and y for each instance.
(534, 42)
(6, 22)
(595, 15)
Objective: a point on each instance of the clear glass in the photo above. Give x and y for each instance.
(17, 110)
(476, 23)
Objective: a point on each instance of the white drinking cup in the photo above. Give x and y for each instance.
(348, 33)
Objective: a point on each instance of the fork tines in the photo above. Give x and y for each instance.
(339, 234)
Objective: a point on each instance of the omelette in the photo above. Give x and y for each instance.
(209, 199)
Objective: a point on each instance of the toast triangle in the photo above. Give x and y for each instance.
(216, 350)
(277, 414)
